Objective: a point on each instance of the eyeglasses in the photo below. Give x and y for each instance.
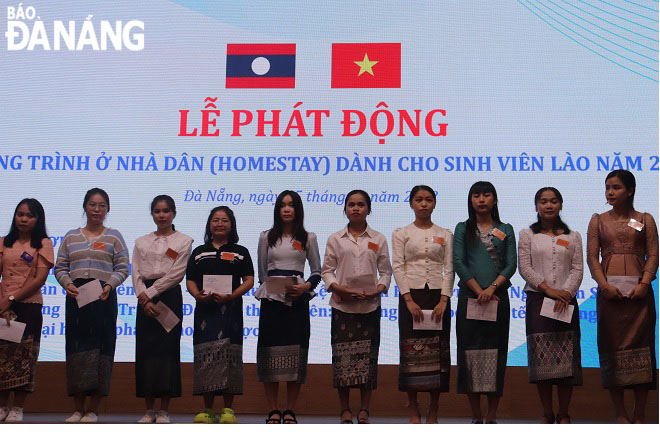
(101, 206)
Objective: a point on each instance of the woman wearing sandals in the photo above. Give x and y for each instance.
(90, 254)
(550, 261)
(159, 264)
(484, 260)
(422, 266)
(284, 327)
(220, 263)
(356, 269)
(627, 240)
(26, 256)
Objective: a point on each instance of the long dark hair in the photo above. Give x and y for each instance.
(628, 180)
(170, 204)
(233, 233)
(38, 233)
(298, 232)
(102, 193)
(471, 223)
(558, 224)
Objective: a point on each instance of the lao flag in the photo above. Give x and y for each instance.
(366, 65)
(268, 66)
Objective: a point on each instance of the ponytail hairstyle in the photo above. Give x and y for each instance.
(168, 200)
(628, 180)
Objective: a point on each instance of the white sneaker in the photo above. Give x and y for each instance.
(148, 417)
(162, 417)
(15, 415)
(4, 412)
(75, 417)
(89, 417)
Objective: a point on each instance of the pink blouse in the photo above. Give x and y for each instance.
(15, 269)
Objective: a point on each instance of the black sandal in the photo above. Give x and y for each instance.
(548, 419)
(561, 417)
(272, 420)
(292, 420)
(346, 421)
(363, 420)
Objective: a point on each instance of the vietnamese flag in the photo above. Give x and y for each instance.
(366, 65)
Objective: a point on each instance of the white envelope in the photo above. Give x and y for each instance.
(88, 293)
(279, 285)
(428, 323)
(220, 284)
(625, 284)
(482, 312)
(547, 310)
(166, 316)
(13, 332)
(362, 283)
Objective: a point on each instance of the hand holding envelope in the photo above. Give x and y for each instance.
(427, 322)
(363, 286)
(12, 331)
(88, 293)
(482, 312)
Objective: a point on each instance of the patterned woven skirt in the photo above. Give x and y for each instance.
(283, 342)
(355, 344)
(626, 342)
(18, 362)
(482, 346)
(157, 352)
(218, 348)
(424, 354)
(91, 336)
(553, 347)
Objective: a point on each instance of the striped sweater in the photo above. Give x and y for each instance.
(105, 258)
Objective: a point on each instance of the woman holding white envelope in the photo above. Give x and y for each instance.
(26, 256)
(627, 240)
(356, 269)
(550, 261)
(91, 263)
(159, 264)
(219, 273)
(484, 260)
(284, 327)
(422, 267)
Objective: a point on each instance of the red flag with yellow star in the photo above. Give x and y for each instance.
(366, 65)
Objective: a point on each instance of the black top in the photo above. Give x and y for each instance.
(230, 259)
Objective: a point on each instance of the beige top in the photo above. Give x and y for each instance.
(16, 269)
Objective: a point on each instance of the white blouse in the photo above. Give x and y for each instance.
(556, 260)
(346, 256)
(421, 257)
(160, 258)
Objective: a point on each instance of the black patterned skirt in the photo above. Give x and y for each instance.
(18, 361)
(218, 348)
(355, 344)
(283, 342)
(91, 336)
(157, 352)
(424, 354)
(482, 346)
(553, 347)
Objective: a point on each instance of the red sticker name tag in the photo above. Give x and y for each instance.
(562, 242)
(499, 234)
(228, 256)
(373, 246)
(171, 253)
(297, 245)
(638, 226)
(99, 246)
(438, 240)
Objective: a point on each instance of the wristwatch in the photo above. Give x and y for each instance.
(494, 284)
(11, 298)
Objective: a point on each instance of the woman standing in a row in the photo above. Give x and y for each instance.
(627, 240)
(26, 256)
(159, 264)
(550, 261)
(93, 252)
(284, 327)
(484, 260)
(356, 269)
(422, 266)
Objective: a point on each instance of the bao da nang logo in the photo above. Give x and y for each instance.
(27, 31)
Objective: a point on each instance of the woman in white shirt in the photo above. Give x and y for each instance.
(356, 269)
(284, 327)
(423, 270)
(159, 264)
(550, 261)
